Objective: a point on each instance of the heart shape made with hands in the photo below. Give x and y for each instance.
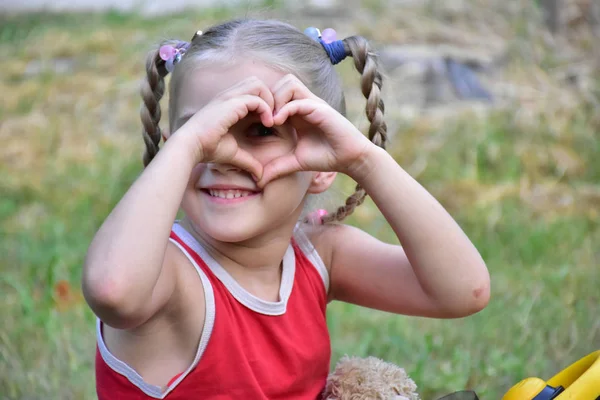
(324, 139)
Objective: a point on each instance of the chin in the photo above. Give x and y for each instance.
(229, 237)
(227, 233)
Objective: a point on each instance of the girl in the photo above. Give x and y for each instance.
(230, 301)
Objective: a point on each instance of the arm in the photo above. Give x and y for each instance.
(436, 273)
(128, 274)
(123, 277)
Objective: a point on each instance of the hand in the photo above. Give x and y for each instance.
(210, 126)
(326, 141)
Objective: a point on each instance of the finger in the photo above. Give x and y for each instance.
(279, 167)
(307, 108)
(252, 86)
(247, 104)
(244, 160)
(289, 88)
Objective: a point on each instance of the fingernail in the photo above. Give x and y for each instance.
(255, 178)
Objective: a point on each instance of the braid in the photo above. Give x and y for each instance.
(370, 82)
(152, 90)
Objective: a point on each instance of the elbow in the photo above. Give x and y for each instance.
(472, 299)
(476, 299)
(480, 297)
(467, 307)
(109, 301)
(101, 288)
(481, 292)
(477, 291)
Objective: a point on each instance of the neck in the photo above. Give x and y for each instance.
(261, 255)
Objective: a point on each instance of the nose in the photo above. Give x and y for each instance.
(223, 168)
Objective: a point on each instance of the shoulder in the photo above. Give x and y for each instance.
(189, 294)
(330, 240)
(319, 237)
(358, 263)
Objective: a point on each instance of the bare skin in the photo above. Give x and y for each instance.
(148, 294)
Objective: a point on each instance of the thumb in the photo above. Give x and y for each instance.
(279, 167)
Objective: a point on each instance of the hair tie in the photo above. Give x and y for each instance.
(316, 217)
(334, 48)
(171, 55)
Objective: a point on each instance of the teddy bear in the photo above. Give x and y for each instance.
(370, 378)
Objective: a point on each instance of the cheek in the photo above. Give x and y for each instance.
(295, 184)
(196, 172)
(305, 178)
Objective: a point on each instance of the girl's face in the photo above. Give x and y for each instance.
(210, 200)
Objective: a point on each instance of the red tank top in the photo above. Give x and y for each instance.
(249, 348)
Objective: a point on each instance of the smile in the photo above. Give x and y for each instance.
(229, 194)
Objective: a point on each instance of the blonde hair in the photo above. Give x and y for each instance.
(280, 46)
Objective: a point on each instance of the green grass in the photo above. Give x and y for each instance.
(525, 190)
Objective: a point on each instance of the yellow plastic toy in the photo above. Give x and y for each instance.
(579, 381)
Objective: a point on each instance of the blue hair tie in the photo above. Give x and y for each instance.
(334, 48)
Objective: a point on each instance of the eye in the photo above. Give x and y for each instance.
(259, 130)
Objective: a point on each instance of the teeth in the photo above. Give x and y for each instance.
(229, 194)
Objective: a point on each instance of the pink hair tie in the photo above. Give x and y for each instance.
(171, 55)
(316, 217)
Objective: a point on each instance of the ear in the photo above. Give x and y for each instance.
(321, 181)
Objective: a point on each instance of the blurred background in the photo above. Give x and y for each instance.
(493, 105)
